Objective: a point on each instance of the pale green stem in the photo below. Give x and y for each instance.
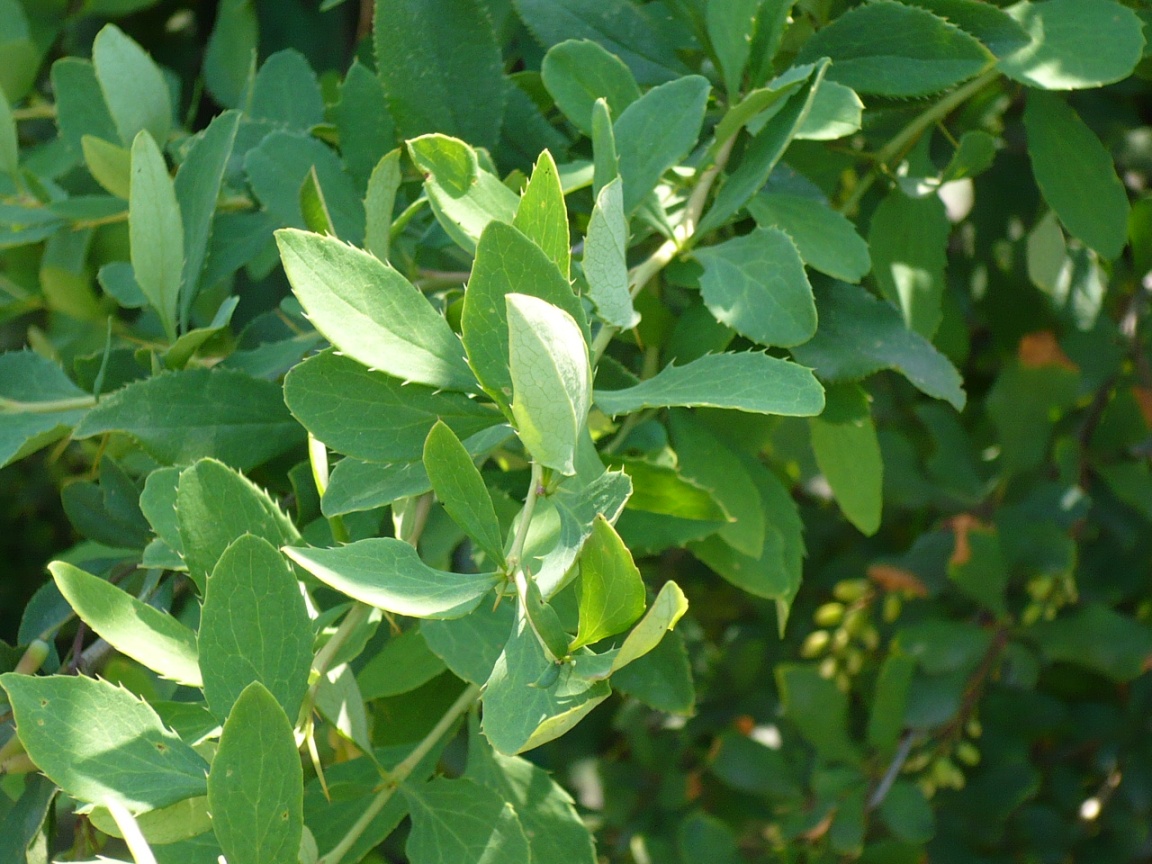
(133, 837)
(910, 133)
(12, 406)
(401, 773)
(34, 112)
(318, 457)
(521, 537)
(406, 216)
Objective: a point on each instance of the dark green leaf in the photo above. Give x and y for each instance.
(230, 56)
(363, 121)
(996, 28)
(133, 87)
(896, 50)
(848, 453)
(39, 404)
(819, 709)
(1076, 174)
(461, 821)
(860, 335)
(182, 416)
(1097, 638)
(826, 239)
(286, 92)
(443, 72)
(909, 240)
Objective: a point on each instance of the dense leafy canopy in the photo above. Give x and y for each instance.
(525, 431)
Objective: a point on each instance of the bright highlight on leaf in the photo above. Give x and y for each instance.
(551, 380)
(611, 588)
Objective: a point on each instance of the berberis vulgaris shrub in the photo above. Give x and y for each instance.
(562, 431)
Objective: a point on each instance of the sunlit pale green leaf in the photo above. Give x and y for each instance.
(606, 261)
(542, 215)
(157, 231)
(611, 588)
(551, 380)
(388, 574)
(133, 86)
(151, 637)
(371, 313)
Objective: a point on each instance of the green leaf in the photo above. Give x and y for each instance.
(371, 313)
(776, 573)
(158, 504)
(256, 786)
(197, 186)
(756, 285)
(464, 197)
(658, 488)
(605, 261)
(848, 453)
(215, 506)
(542, 215)
(666, 610)
(1075, 44)
(710, 463)
(836, 112)
(662, 678)
(101, 744)
(254, 627)
(551, 380)
(1076, 174)
(860, 335)
(656, 131)
(403, 664)
(578, 72)
(461, 490)
(606, 162)
(278, 167)
(470, 646)
(891, 49)
(760, 105)
(620, 27)
(363, 122)
(745, 381)
(21, 48)
(443, 72)
(1024, 404)
(825, 239)
(286, 92)
(981, 572)
(555, 830)
(230, 56)
(39, 404)
(9, 145)
(356, 485)
(730, 27)
(22, 828)
(611, 588)
(461, 821)
(818, 709)
(889, 701)
(340, 702)
(388, 574)
(909, 240)
(907, 813)
(80, 106)
(1096, 638)
(147, 635)
(171, 824)
(519, 716)
(184, 348)
(156, 230)
(996, 28)
(372, 416)
(767, 145)
(507, 262)
(379, 202)
(133, 87)
(183, 416)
